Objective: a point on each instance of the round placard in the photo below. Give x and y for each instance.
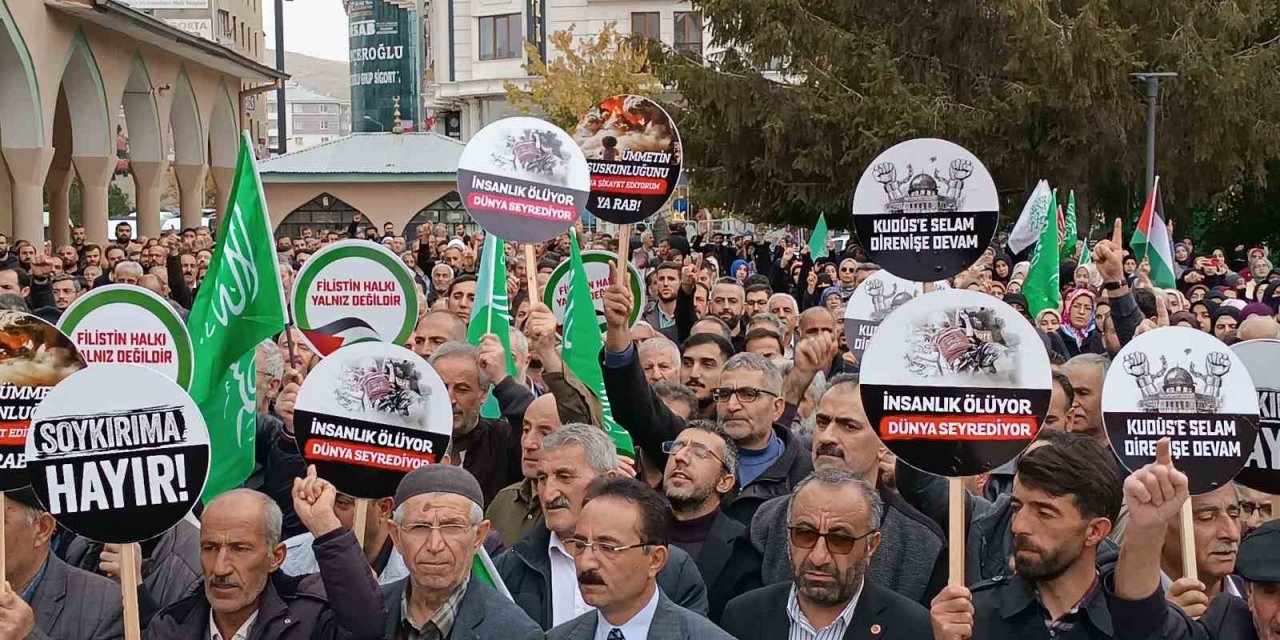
(126, 324)
(523, 179)
(34, 356)
(354, 290)
(877, 297)
(596, 263)
(957, 384)
(370, 413)
(633, 150)
(118, 453)
(1261, 470)
(925, 209)
(1186, 385)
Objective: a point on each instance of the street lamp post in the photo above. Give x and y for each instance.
(282, 128)
(1152, 81)
(380, 125)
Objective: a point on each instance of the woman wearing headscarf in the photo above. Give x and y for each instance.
(1225, 322)
(1202, 310)
(1271, 296)
(1001, 267)
(741, 270)
(1184, 319)
(1079, 330)
(1049, 320)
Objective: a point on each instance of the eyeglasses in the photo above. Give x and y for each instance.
(423, 530)
(607, 549)
(846, 271)
(1248, 508)
(840, 543)
(700, 451)
(745, 394)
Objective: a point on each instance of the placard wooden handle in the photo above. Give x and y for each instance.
(955, 532)
(1188, 529)
(129, 589)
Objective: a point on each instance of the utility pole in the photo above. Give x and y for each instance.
(282, 129)
(1152, 81)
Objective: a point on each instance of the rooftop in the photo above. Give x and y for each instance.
(370, 157)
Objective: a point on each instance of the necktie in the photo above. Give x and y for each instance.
(616, 634)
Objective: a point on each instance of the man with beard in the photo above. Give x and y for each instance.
(701, 472)
(784, 306)
(70, 259)
(1065, 498)
(482, 446)
(124, 234)
(620, 548)
(539, 570)
(911, 559)
(833, 519)
(726, 303)
(757, 300)
(661, 311)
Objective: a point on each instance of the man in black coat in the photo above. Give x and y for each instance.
(244, 591)
(834, 521)
(701, 471)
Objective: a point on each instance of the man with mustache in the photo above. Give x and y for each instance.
(1065, 496)
(539, 570)
(620, 547)
(834, 519)
(701, 473)
(911, 558)
(661, 311)
(1257, 615)
(726, 303)
(438, 527)
(245, 594)
(1216, 519)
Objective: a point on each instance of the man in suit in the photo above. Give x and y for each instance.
(702, 469)
(910, 559)
(538, 570)
(833, 519)
(619, 546)
(441, 598)
(45, 597)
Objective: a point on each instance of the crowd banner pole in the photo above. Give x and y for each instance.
(1188, 542)
(129, 589)
(531, 273)
(955, 532)
(362, 516)
(624, 254)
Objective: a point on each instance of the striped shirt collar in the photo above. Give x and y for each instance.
(441, 622)
(802, 630)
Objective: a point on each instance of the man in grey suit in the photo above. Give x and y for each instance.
(56, 600)
(619, 545)
(439, 527)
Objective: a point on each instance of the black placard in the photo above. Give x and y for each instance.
(1185, 385)
(1261, 470)
(633, 149)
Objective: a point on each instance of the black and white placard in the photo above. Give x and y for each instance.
(925, 209)
(1183, 384)
(877, 297)
(368, 414)
(1261, 470)
(957, 384)
(633, 149)
(118, 453)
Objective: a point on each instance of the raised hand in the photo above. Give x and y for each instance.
(1154, 494)
(1108, 255)
(617, 314)
(493, 358)
(313, 499)
(951, 614)
(17, 620)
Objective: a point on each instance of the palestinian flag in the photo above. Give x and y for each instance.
(1151, 240)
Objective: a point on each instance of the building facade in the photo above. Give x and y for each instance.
(310, 118)
(75, 72)
(471, 48)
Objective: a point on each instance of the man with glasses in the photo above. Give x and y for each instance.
(1255, 509)
(833, 522)
(701, 473)
(539, 570)
(619, 547)
(438, 526)
(911, 559)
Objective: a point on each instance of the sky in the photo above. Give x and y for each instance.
(315, 28)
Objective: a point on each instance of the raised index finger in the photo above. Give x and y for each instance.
(1117, 234)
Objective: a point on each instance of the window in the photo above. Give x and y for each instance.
(647, 24)
(689, 31)
(500, 37)
(224, 22)
(324, 124)
(297, 141)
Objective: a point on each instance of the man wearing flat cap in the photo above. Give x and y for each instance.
(438, 527)
(43, 596)
(1257, 615)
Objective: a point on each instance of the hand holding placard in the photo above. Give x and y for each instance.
(313, 499)
(493, 358)
(617, 314)
(17, 620)
(110, 561)
(951, 613)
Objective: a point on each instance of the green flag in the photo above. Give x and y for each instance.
(239, 304)
(818, 239)
(1086, 256)
(1041, 287)
(491, 312)
(483, 569)
(582, 345)
(1070, 240)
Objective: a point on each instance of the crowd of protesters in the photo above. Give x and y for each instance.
(760, 503)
